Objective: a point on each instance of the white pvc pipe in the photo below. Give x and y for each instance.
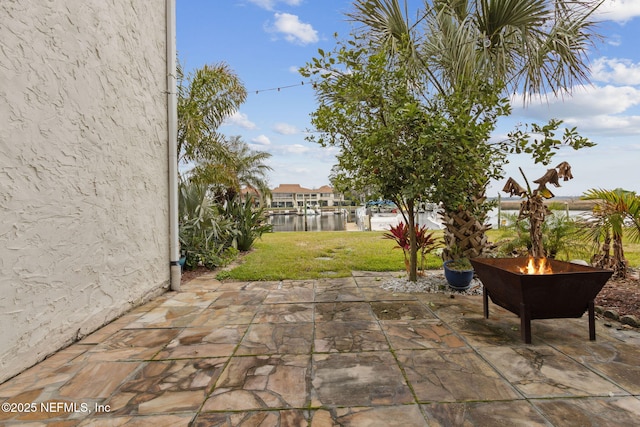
(172, 128)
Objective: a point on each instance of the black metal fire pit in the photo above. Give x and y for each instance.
(568, 292)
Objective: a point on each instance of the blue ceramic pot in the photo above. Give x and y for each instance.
(459, 280)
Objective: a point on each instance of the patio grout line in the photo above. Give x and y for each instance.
(475, 351)
(530, 399)
(392, 351)
(593, 370)
(226, 365)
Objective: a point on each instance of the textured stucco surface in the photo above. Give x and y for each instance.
(83, 169)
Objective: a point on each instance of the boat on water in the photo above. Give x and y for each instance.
(382, 215)
(309, 211)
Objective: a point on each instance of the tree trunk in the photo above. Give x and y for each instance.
(619, 262)
(603, 258)
(537, 214)
(413, 244)
(464, 233)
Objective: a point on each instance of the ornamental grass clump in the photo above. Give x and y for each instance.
(425, 242)
(460, 264)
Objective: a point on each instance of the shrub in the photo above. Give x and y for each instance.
(425, 242)
(559, 237)
(249, 222)
(206, 237)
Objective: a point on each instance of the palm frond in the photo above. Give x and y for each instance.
(206, 98)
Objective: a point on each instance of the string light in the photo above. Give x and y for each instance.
(278, 88)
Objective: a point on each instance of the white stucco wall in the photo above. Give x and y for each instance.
(83, 169)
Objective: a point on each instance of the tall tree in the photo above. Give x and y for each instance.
(533, 46)
(240, 167)
(218, 167)
(206, 97)
(394, 142)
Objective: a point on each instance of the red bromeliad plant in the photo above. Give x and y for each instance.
(399, 233)
(425, 241)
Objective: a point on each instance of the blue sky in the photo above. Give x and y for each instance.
(266, 41)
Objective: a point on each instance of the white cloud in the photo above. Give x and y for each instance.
(270, 4)
(294, 31)
(608, 125)
(295, 149)
(261, 140)
(285, 129)
(294, 69)
(585, 101)
(240, 119)
(614, 40)
(617, 71)
(598, 111)
(618, 10)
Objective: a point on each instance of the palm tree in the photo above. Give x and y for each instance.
(533, 46)
(251, 169)
(241, 167)
(616, 212)
(205, 99)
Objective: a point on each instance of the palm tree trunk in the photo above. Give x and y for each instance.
(619, 262)
(604, 259)
(464, 233)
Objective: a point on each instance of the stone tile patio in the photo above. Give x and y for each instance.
(329, 353)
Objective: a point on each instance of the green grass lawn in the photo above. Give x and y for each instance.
(326, 254)
(311, 255)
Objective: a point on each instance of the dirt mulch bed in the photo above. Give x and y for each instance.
(192, 274)
(621, 295)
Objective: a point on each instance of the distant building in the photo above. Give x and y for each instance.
(294, 196)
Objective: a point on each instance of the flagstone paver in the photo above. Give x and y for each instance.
(453, 375)
(543, 372)
(614, 360)
(331, 337)
(373, 416)
(167, 386)
(420, 334)
(509, 413)
(285, 313)
(620, 411)
(284, 418)
(325, 353)
(358, 379)
(277, 338)
(343, 311)
(262, 382)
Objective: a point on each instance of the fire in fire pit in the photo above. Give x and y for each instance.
(557, 290)
(536, 266)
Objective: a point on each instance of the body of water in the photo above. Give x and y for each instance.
(507, 214)
(330, 222)
(335, 222)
